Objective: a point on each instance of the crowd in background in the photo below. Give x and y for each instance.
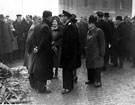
(98, 39)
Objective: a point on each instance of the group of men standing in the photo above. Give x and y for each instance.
(77, 39)
(41, 68)
(118, 38)
(117, 47)
(13, 36)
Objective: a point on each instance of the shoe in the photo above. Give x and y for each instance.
(47, 91)
(89, 82)
(98, 84)
(114, 65)
(66, 91)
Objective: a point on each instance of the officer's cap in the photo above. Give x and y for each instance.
(65, 13)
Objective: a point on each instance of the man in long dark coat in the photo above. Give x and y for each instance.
(121, 41)
(69, 52)
(110, 32)
(102, 25)
(133, 43)
(42, 63)
(83, 29)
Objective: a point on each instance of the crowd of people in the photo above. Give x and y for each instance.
(13, 37)
(53, 42)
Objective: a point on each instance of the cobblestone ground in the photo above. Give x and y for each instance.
(118, 88)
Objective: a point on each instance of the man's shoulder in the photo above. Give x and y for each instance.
(41, 25)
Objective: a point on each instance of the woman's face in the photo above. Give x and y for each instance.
(54, 23)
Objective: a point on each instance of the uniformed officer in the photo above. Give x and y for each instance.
(69, 52)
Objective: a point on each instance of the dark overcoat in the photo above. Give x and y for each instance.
(7, 39)
(133, 39)
(110, 30)
(26, 27)
(95, 49)
(1, 36)
(19, 30)
(83, 29)
(122, 39)
(70, 46)
(41, 64)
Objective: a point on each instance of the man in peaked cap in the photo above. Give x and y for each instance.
(66, 16)
(65, 13)
(69, 52)
(19, 17)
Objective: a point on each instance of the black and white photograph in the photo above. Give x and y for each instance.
(67, 52)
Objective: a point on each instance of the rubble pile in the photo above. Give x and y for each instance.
(14, 87)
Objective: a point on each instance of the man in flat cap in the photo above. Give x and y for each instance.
(102, 25)
(42, 62)
(69, 52)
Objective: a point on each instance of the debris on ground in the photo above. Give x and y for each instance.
(13, 86)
